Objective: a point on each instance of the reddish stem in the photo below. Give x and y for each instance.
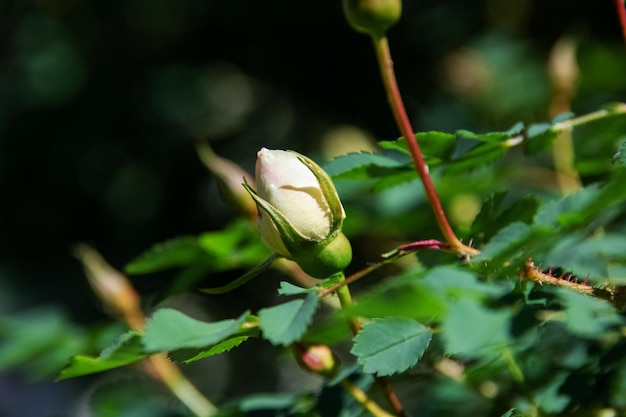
(621, 13)
(381, 46)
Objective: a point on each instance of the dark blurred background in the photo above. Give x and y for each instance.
(101, 103)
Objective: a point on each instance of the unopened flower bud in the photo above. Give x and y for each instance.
(300, 214)
(373, 17)
(318, 359)
(229, 177)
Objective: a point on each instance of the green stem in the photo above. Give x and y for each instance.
(389, 257)
(516, 371)
(618, 108)
(383, 55)
(345, 298)
(184, 390)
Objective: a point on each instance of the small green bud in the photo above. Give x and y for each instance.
(318, 359)
(373, 17)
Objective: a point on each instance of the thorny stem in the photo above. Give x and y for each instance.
(532, 273)
(118, 295)
(621, 13)
(345, 298)
(383, 55)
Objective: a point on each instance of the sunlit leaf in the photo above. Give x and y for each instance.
(387, 346)
(493, 137)
(362, 165)
(436, 147)
(170, 329)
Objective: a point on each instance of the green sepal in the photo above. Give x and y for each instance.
(325, 259)
(330, 194)
(292, 239)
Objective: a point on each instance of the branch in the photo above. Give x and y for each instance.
(383, 54)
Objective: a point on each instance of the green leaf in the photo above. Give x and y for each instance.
(549, 398)
(479, 156)
(437, 147)
(454, 283)
(287, 322)
(619, 158)
(473, 331)
(495, 214)
(587, 316)
(493, 137)
(588, 256)
(170, 329)
(177, 252)
(539, 137)
(508, 242)
(125, 350)
(588, 208)
(287, 288)
(395, 180)
(399, 145)
(561, 117)
(235, 246)
(361, 165)
(387, 346)
(191, 355)
(399, 297)
(38, 342)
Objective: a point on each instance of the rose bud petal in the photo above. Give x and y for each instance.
(300, 214)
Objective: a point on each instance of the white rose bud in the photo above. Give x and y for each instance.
(300, 214)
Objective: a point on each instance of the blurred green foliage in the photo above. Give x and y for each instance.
(100, 105)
